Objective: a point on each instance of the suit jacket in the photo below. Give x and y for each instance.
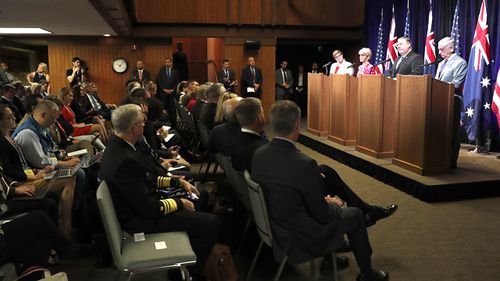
(247, 80)
(407, 65)
(454, 71)
(164, 82)
(146, 76)
(231, 78)
(137, 205)
(11, 161)
(304, 81)
(279, 81)
(223, 137)
(4, 79)
(303, 224)
(243, 148)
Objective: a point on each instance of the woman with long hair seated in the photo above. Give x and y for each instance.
(66, 96)
(16, 168)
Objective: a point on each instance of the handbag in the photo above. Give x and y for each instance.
(220, 265)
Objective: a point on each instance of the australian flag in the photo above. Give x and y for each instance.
(477, 88)
(379, 54)
(455, 28)
(430, 49)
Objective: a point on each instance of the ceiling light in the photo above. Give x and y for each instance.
(106, 35)
(23, 30)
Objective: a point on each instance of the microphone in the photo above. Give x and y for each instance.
(425, 64)
(351, 66)
(381, 62)
(327, 64)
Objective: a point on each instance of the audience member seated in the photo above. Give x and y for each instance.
(29, 104)
(250, 116)
(306, 221)
(151, 88)
(36, 89)
(66, 97)
(219, 114)
(8, 97)
(139, 206)
(207, 114)
(19, 94)
(201, 100)
(16, 168)
(223, 136)
(44, 88)
(40, 151)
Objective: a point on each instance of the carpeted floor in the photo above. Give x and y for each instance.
(450, 241)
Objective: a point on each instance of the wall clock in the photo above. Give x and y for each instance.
(120, 65)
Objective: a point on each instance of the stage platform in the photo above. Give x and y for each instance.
(477, 175)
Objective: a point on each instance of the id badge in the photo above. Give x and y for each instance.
(29, 172)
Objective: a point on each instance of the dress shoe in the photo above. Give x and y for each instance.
(327, 266)
(374, 276)
(379, 213)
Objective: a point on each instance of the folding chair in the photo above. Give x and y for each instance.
(133, 257)
(261, 219)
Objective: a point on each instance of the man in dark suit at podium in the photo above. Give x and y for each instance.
(251, 80)
(140, 74)
(227, 77)
(407, 61)
(452, 69)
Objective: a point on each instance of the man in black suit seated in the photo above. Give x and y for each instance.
(224, 135)
(306, 220)
(136, 198)
(408, 61)
(250, 115)
(7, 96)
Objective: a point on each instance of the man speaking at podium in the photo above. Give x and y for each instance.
(408, 61)
(452, 69)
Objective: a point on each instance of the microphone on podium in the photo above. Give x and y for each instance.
(425, 64)
(327, 64)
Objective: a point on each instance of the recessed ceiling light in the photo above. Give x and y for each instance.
(23, 30)
(106, 35)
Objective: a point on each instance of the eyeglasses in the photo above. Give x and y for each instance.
(10, 116)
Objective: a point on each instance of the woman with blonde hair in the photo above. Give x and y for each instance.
(365, 68)
(41, 73)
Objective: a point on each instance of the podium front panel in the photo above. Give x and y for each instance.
(317, 105)
(343, 108)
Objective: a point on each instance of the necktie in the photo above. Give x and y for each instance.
(226, 73)
(140, 75)
(285, 78)
(441, 70)
(336, 69)
(253, 72)
(399, 62)
(168, 74)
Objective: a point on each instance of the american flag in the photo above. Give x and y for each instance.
(391, 45)
(379, 55)
(455, 28)
(430, 49)
(407, 21)
(495, 105)
(477, 88)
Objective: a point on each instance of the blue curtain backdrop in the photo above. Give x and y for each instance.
(443, 11)
(443, 17)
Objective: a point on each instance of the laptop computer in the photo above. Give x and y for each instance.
(87, 161)
(40, 192)
(63, 172)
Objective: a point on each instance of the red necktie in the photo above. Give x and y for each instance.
(336, 69)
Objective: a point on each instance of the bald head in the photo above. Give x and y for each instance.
(46, 113)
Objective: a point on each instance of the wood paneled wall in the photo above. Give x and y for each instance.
(196, 52)
(265, 60)
(254, 12)
(99, 55)
(215, 56)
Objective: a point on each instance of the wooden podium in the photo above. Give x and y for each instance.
(424, 118)
(376, 112)
(343, 108)
(318, 112)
